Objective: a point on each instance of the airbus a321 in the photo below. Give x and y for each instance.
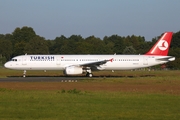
(85, 64)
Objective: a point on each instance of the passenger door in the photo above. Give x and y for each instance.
(24, 60)
(145, 60)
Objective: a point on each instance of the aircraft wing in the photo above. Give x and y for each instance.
(94, 65)
(97, 63)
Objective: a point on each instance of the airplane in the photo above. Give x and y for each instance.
(80, 64)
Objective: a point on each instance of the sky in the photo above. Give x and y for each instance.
(53, 18)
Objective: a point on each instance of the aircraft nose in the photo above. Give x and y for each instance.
(7, 65)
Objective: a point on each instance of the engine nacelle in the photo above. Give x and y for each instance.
(73, 70)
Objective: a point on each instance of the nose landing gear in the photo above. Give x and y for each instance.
(24, 73)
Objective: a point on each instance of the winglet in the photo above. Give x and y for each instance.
(111, 60)
(162, 45)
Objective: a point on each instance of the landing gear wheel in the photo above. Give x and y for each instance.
(90, 75)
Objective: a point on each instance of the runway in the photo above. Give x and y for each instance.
(61, 78)
(42, 79)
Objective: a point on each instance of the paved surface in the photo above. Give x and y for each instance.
(57, 79)
(42, 79)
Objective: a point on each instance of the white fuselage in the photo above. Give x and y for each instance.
(60, 62)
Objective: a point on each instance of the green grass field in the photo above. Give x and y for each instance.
(83, 105)
(77, 104)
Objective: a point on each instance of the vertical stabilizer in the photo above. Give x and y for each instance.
(162, 45)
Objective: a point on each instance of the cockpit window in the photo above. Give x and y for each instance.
(14, 59)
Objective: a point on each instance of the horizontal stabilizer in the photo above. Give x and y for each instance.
(168, 58)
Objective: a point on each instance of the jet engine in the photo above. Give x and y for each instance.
(73, 70)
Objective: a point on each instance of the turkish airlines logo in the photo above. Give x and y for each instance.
(163, 45)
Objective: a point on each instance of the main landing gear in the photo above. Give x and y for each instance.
(88, 72)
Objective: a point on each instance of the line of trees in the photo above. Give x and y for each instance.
(24, 40)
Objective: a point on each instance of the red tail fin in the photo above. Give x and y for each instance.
(162, 45)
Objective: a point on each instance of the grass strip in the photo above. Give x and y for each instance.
(83, 105)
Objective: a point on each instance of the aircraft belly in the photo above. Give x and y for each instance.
(38, 66)
(123, 66)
